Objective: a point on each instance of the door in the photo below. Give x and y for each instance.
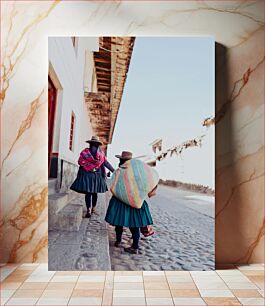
(52, 94)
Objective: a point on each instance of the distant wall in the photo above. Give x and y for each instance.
(185, 186)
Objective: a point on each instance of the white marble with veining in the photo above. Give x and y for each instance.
(26, 25)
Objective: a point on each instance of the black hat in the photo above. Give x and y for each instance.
(94, 139)
(125, 155)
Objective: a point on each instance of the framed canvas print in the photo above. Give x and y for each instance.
(131, 153)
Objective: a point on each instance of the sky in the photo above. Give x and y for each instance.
(169, 91)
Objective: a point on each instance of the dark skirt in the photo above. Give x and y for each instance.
(87, 181)
(121, 214)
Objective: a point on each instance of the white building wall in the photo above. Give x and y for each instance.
(74, 74)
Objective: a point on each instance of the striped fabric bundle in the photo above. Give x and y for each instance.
(132, 182)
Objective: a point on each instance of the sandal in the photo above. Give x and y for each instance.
(117, 244)
(88, 214)
(149, 233)
(131, 250)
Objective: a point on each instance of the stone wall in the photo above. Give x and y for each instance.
(66, 175)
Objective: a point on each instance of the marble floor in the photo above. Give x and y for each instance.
(33, 284)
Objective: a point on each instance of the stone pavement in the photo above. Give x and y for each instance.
(183, 239)
(87, 249)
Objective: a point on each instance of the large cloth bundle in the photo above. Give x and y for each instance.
(132, 182)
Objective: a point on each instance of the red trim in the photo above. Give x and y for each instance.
(54, 154)
(72, 131)
(52, 97)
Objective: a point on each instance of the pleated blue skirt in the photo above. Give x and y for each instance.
(121, 214)
(87, 181)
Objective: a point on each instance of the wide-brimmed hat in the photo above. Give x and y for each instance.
(94, 139)
(125, 155)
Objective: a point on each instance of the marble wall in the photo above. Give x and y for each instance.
(240, 151)
(238, 30)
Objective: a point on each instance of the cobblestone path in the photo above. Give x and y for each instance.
(183, 239)
(87, 249)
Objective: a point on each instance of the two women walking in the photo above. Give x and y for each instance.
(91, 179)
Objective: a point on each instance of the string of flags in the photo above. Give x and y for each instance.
(177, 150)
(196, 142)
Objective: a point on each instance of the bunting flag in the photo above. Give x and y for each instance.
(208, 121)
(157, 145)
(196, 142)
